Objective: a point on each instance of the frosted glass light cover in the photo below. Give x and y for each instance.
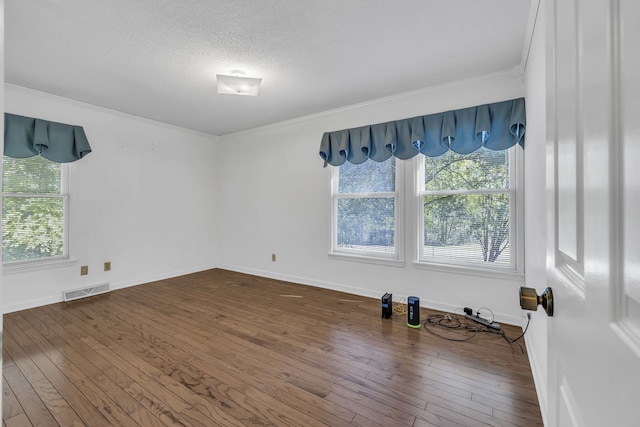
(235, 85)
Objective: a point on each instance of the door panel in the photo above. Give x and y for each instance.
(593, 249)
(629, 155)
(566, 414)
(567, 134)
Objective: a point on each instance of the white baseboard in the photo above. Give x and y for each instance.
(370, 293)
(539, 379)
(52, 299)
(38, 302)
(156, 277)
(304, 281)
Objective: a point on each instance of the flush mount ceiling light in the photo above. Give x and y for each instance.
(238, 84)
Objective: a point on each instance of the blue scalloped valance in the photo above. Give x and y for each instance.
(27, 137)
(497, 126)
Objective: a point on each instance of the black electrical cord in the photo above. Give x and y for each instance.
(447, 321)
(454, 321)
(509, 340)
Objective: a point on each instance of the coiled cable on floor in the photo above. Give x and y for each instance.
(450, 321)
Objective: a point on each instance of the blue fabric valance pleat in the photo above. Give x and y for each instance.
(497, 126)
(28, 137)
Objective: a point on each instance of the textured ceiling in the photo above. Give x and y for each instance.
(158, 58)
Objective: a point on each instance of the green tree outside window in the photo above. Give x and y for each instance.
(33, 209)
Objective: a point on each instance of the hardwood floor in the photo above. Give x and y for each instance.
(228, 349)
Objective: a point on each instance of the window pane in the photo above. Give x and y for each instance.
(483, 169)
(35, 175)
(32, 228)
(467, 228)
(368, 177)
(367, 223)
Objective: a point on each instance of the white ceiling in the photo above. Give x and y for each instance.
(158, 59)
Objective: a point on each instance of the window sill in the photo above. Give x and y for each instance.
(29, 266)
(471, 271)
(367, 259)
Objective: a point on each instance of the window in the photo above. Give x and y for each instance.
(467, 207)
(466, 211)
(366, 209)
(34, 210)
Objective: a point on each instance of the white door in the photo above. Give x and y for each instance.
(593, 188)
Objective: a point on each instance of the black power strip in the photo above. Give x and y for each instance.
(482, 321)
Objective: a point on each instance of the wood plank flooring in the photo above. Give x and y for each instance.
(219, 348)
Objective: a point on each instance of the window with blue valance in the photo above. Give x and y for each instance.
(497, 126)
(28, 137)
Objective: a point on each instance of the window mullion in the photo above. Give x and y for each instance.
(33, 196)
(365, 195)
(463, 192)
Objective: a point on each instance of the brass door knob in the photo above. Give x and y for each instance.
(529, 300)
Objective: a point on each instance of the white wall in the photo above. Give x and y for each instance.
(233, 202)
(275, 198)
(144, 199)
(535, 203)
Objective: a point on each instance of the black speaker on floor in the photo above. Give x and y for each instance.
(413, 312)
(387, 306)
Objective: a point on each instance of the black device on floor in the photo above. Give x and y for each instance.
(387, 306)
(413, 312)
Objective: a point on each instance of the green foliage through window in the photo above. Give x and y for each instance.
(366, 207)
(366, 222)
(467, 208)
(33, 209)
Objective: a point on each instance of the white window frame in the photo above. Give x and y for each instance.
(395, 258)
(63, 260)
(516, 231)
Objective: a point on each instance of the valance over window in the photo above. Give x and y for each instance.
(497, 126)
(58, 142)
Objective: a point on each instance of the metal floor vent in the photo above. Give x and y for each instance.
(72, 294)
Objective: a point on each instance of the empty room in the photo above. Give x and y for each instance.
(320, 213)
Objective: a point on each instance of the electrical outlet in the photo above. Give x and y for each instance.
(84, 270)
(273, 257)
(107, 266)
